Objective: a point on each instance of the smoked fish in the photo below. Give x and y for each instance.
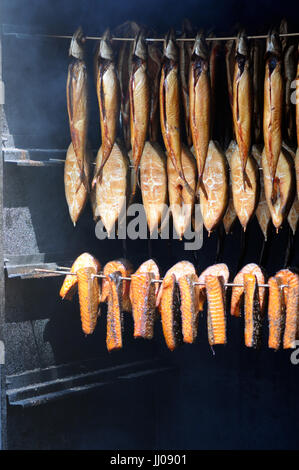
(256, 53)
(230, 65)
(238, 290)
(200, 99)
(273, 103)
(242, 102)
(217, 270)
(139, 91)
(89, 292)
(70, 282)
(214, 189)
(245, 199)
(252, 312)
(111, 193)
(154, 64)
(291, 298)
(143, 294)
(108, 98)
(285, 187)
(184, 59)
(262, 211)
(216, 318)
(115, 312)
(276, 312)
(153, 183)
(126, 269)
(230, 215)
(76, 198)
(289, 61)
(77, 102)
(214, 67)
(189, 306)
(181, 201)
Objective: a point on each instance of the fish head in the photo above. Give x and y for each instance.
(140, 47)
(170, 49)
(76, 47)
(200, 47)
(242, 44)
(105, 49)
(273, 44)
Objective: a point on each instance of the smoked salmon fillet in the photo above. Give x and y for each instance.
(238, 291)
(143, 293)
(252, 312)
(115, 312)
(276, 312)
(88, 290)
(218, 270)
(216, 318)
(70, 282)
(291, 299)
(126, 269)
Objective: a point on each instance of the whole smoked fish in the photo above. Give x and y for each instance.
(75, 192)
(115, 312)
(143, 294)
(285, 187)
(181, 201)
(252, 312)
(214, 189)
(276, 312)
(238, 289)
(77, 102)
(108, 98)
(154, 64)
(216, 318)
(125, 269)
(70, 282)
(273, 102)
(245, 198)
(112, 192)
(153, 183)
(217, 270)
(262, 211)
(89, 292)
(139, 101)
(291, 299)
(242, 101)
(200, 99)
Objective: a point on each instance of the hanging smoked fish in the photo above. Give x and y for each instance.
(214, 66)
(112, 193)
(289, 61)
(108, 98)
(77, 103)
(245, 198)
(76, 198)
(70, 282)
(189, 306)
(238, 289)
(185, 56)
(217, 270)
(293, 216)
(126, 269)
(242, 102)
(230, 215)
(154, 63)
(273, 102)
(168, 301)
(262, 212)
(181, 201)
(256, 52)
(200, 99)
(170, 103)
(214, 190)
(216, 317)
(285, 187)
(139, 101)
(230, 65)
(291, 299)
(153, 182)
(115, 312)
(276, 312)
(143, 295)
(89, 292)
(253, 315)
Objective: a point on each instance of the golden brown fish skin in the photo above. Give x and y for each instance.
(170, 103)
(276, 312)
(182, 268)
(185, 51)
(70, 282)
(154, 64)
(285, 183)
(112, 192)
(257, 80)
(181, 200)
(230, 63)
(89, 292)
(108, 99)
(245, 199)
(216, 318)
(189, 306)
(273, 104)
(252, 312)
(238, 290)
(139, 100)
(77, 101)
(242, 101)
(200, 99)
(153, 183)
(76, 198)
(291, 299)
(214, 189)
(126, 269)
(262, 211)
(219, 270)
(114, 313)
